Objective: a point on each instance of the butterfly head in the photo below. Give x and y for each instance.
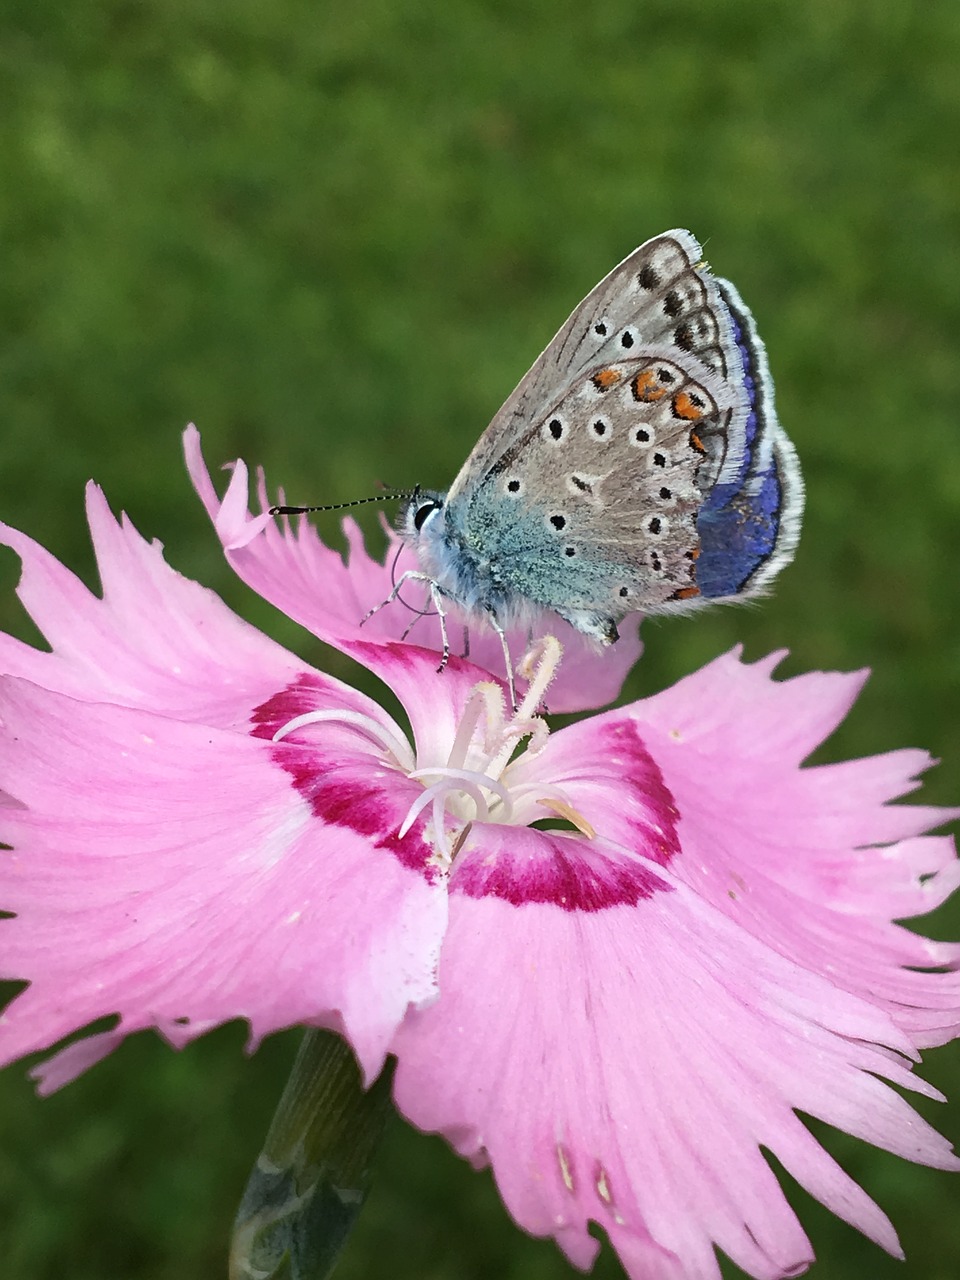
(428, 525)
(421, 513)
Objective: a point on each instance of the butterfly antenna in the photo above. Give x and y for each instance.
(340, 506)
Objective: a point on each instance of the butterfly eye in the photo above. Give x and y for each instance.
(428, 508)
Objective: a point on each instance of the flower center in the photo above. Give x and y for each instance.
(476, 779)
(477, 782)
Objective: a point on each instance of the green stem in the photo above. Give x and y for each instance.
(312, 1176)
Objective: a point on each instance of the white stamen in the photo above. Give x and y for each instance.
(398, 747)
(488, 697)
(440, 828)
(439, 791)
(468, 776)
(454, 782)
(471, 784)
(492, 799)
(546, 654)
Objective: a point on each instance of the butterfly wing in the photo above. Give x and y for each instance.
(749, 523)
(659, 296)
(640, 463)
(593, 511)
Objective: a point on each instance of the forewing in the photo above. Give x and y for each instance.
(661, 297)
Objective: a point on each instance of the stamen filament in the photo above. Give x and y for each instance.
(470, 777)
(546, 654)
(564, 810)
(440, 827)
(486, 696)
(398, 747)
(440, 790)
(539, 666)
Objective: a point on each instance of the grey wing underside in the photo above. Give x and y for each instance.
(660, 297)
(627, 448)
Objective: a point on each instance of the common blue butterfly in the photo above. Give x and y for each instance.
(639, 464)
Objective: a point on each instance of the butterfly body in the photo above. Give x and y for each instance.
(638, 466)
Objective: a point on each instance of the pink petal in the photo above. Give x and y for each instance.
(288, 565)
(624, 1065)
(176, 875)
(736, 707)
(815, 861)
(155, 640)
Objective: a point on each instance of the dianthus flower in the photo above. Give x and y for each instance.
(616, 1015)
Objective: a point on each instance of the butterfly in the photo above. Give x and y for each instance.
(639, 464)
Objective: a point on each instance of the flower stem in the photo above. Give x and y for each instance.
(311, 1179)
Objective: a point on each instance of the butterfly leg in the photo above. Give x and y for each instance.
(440, 613)
(511, 686)
(436, 595)
(411, 575)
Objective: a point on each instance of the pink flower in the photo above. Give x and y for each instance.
(616, 1015)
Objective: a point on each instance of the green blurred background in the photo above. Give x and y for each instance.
(335, 236)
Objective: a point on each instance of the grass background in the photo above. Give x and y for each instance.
(335, 236)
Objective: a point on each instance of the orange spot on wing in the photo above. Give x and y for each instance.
(646, 387)
(684, 407)
(606, 379)
(696, 442)
(685, 593)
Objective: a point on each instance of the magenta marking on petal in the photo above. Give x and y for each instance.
(617, 785)
(344, 786)
(307, 693)
(522, 865)
(638, 794)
